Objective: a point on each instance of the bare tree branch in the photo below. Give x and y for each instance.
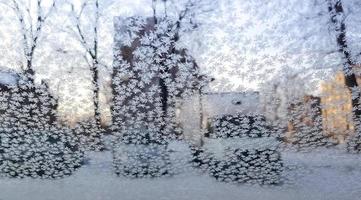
(91, 49)
(29, 36)
(79, 31)
(95, 39)
(41, 18)
(21, 19)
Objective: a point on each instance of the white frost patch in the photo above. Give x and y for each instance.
(7, 78)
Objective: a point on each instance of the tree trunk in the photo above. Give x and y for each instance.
(164, 95)
(96, 88)
(95, 70)
(29, 71)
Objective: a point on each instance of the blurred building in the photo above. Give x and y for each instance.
(304, 120)
(337, 108)
(194, 113)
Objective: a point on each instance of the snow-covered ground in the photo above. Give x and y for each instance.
(323, 174)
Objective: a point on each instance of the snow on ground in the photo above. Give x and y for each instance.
(322, 174)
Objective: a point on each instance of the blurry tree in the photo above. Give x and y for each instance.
(350, 66)
(90, 45)
(31, 20)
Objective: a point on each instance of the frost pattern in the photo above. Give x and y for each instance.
(143, 84)
(32, 143)
(151, 74)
